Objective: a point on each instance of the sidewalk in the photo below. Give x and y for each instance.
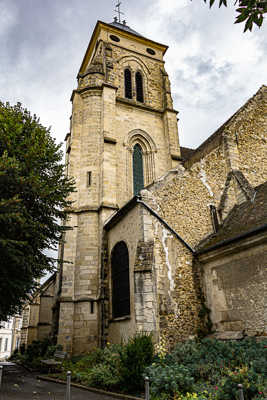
(19, 384)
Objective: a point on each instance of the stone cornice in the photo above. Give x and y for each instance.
(86, 209)
(81, 300)
(92, 88)
(143, 106)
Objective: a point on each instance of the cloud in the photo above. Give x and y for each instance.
(214, 68)
(8, 17)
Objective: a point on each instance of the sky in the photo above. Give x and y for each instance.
(213, 66)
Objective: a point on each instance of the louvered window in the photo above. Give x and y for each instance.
(128, 83)
(120, 281)
(138, 170)
(139, 87)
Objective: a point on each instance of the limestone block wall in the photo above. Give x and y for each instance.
(128, 230)
(146, 310)
(130, 121)
(46, 312)
(78, 320)
(30, 320)
(121, 116)
(142, 281)
(151, 71)
(104, 128)
(236, 291)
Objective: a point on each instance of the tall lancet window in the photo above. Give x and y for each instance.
(138, 169)
(139, 87)
(128, 84)
(120, 280)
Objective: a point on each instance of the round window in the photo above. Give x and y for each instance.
(151, 51)
(114, 38)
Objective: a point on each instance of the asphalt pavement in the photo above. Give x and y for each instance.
(20, 384)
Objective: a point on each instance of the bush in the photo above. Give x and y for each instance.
(169, 379)
(211, 369)
(194, 370)
(104, 376)
(135, 356)
(251, 381)
(99, 368)
(35, 352)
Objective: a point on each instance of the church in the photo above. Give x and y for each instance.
(160, 238)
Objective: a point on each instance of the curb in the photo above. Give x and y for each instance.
(89, 389)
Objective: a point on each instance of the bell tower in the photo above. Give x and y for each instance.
(123, 136)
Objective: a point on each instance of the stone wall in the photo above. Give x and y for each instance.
(235, 288)
(184, 201)
(104, 128)
(129, 230)
(135, 230)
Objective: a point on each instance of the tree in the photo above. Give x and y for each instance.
(33, 201)
(251, 11)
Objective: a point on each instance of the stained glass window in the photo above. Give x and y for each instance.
(128, 83)
(139, 87)
(138, 169)
(120, 280)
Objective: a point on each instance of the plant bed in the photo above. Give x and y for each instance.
(211, 369)
(206, 369)
(116, 368)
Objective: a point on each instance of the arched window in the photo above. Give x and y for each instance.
(138, 169)
(128, 84)
(120, 281)
(139, 87)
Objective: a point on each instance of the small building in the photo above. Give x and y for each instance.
(9, 336)
(37, 314)
(234, 263)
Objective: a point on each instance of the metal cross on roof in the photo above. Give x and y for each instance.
(118, 11)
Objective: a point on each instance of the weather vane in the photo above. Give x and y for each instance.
(119, 12)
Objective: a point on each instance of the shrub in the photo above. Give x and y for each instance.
(104, 376)
(169, 379)
(215, 367)
(251, 381)
(35, 352)
(135, 356)
(99, 368)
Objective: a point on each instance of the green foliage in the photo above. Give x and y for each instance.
(251, 381)
(211, 369)
(99, 368)
(251, 11)
(104, 376)
(195, 370)
(35, 352)
(33, 192)
(170, 379)
(135, 357)
(116, 367)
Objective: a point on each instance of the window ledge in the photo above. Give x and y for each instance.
(119, 319)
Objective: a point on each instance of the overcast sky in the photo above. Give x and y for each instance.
(213, 66)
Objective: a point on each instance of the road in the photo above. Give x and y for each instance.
(19, 384)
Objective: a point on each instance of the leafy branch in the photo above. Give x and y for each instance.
(249, 11)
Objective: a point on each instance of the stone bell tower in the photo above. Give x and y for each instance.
(123, 135)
